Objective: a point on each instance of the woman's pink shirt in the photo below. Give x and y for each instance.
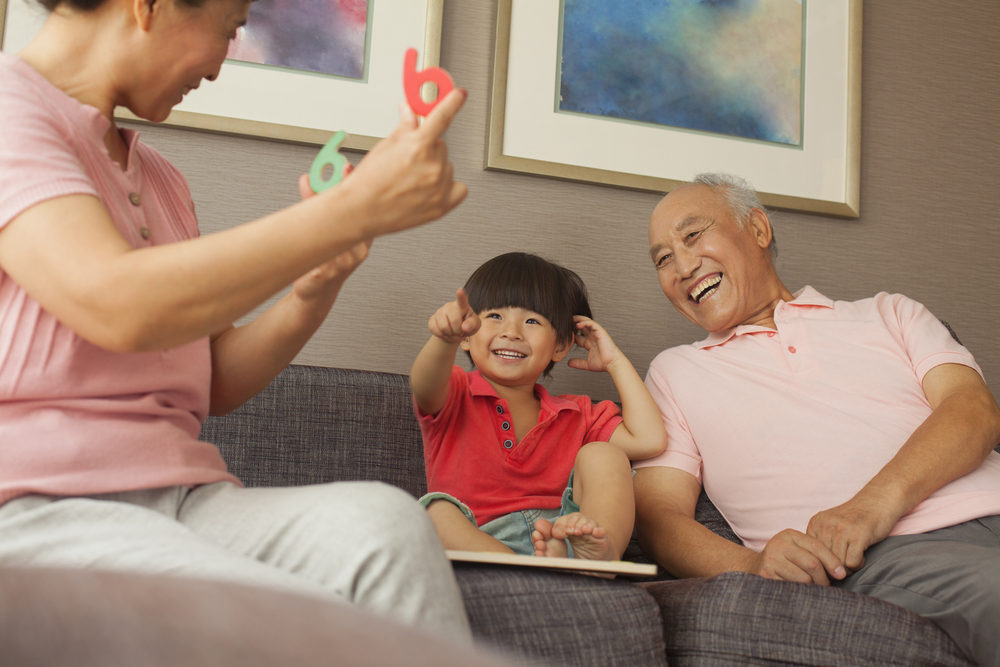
(77, 419)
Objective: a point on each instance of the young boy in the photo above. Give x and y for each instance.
(509, 467)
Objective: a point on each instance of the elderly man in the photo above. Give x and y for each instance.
(846, 443)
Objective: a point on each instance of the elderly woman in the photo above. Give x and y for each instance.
(116, 334)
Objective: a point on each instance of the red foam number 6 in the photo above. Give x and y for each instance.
(412, 80)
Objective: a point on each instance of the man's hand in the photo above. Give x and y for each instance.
(794, 556)
(601, 350)
(849, 529)
(454, 320)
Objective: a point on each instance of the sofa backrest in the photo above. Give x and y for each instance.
(313, 425)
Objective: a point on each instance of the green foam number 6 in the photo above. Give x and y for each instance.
(328, 155)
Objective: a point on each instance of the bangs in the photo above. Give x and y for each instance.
(522, 280)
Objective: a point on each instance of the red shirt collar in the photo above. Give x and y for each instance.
(805, 297)
(479, 386)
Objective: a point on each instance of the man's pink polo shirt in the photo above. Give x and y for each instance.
(779, 425)
(471, 452)
(76, 419)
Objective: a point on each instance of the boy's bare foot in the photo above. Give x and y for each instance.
(589, 540)
(545, 544)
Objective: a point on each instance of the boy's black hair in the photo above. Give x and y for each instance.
(523, 280)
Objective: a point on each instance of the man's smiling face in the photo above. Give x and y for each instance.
(715, 273)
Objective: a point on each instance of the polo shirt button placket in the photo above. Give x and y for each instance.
(136, 200)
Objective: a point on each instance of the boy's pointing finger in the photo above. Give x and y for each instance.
(462, 299)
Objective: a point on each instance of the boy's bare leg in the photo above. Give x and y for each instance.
(457, 532)
(601, 530)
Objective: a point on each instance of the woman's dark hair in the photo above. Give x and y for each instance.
(91, 5)
(523, 280)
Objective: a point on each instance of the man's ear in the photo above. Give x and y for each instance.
(761, 226)
(144, 10)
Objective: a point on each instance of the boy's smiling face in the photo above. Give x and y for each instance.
(514, 346)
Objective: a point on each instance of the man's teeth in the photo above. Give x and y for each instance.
(705, 287)
(507, 354)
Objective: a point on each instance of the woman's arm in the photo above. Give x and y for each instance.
(245, 359)
(67, 254)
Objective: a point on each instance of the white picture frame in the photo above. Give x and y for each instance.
(527, 135)
(292, 105)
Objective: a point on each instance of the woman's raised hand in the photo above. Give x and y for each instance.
(407, 180)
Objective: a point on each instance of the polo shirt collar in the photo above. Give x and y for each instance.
(479, 386)
(805, 297)
(84, 116)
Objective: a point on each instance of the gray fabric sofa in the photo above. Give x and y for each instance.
(315, 425)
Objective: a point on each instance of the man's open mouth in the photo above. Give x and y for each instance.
(509, 354)
(705, 288)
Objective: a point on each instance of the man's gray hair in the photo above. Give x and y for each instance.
(740, 196)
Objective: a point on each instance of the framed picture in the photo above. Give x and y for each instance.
(644, 95)
(307, 97)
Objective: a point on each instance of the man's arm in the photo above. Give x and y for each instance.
(665, 500)
(958, 435)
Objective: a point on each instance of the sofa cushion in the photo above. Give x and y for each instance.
(565, 619)
(739, 618)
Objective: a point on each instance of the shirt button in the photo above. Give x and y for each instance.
(770, 334)
(499, 409)
(144, 232)
(135, 199)
(507, 444)
(505, 426)
(791, 349)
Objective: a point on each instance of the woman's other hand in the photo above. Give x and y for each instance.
(327, 278)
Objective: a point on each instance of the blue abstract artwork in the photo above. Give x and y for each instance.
(731, 67)
(326, 36)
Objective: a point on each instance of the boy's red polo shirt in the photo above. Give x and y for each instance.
(471, 453)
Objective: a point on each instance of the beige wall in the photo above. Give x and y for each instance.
(929, 200)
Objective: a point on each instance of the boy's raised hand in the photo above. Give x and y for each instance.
(601, 350)
(454, 320)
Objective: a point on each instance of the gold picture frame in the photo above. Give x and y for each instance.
(527, 135)
(293, 105)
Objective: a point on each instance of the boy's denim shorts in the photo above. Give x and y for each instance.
(513, 529)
